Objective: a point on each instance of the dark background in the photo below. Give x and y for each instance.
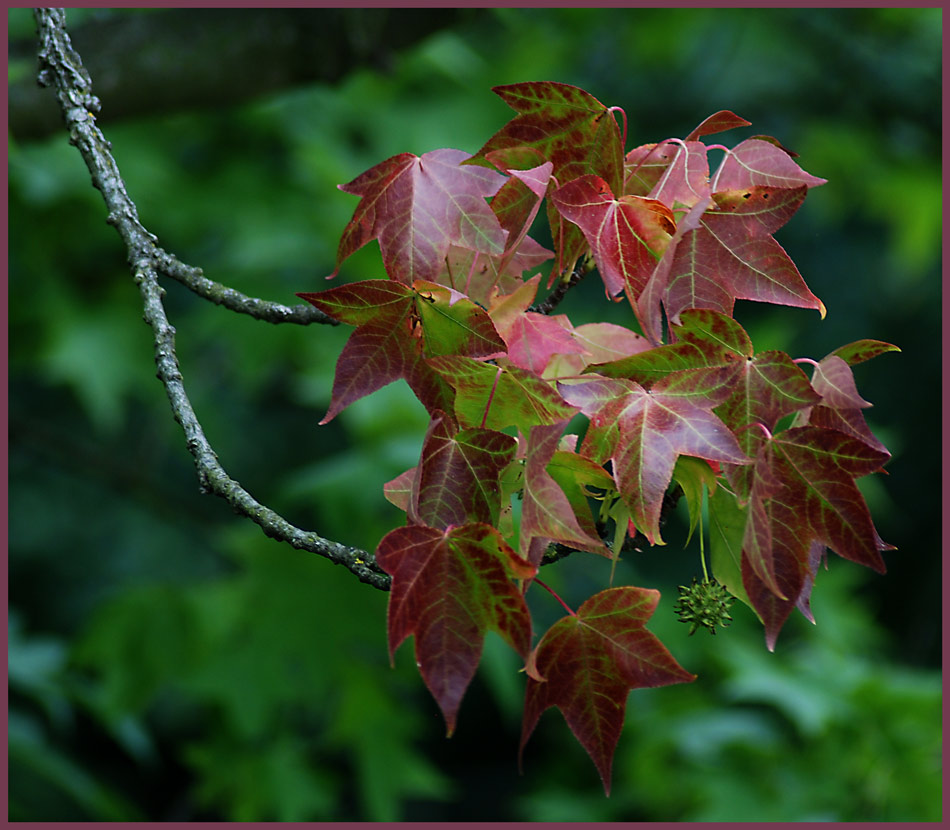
(168, 662)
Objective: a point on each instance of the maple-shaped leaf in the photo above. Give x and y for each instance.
(765, 389)
(839, 405)
(384, 349)
(728, 253)
(586, 664)
(627, 236)
(535, 338)
(417, 206)
(673, 172)
(546, 513)
(704, 339)
(643, 432)
(804, 491)
(449, 588)
(482, 277)
(755, 162)
(570, 128)
(599, 343)
(500, 396)
(559, 123)
(532, 338)
(457, 479)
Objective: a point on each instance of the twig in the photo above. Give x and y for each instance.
(583, 267)
(234, 300)
(62, 67)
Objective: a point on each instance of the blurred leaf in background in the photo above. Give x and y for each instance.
(168, 662)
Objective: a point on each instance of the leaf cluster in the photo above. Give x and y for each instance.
(678, 401)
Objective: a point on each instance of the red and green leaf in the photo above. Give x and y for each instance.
(457, 480)
(547, 514)
(627, 236)
(643, 433)
(559, 123)
(804, 491)
(587, 663)
(449, 588)
(397, 327)
(730, 255)
(570, 128)
(499, 396)
(417, 207)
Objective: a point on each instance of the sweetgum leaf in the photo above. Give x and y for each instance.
(694, 475)
(756, 162)
(568, 127)
(766, 388)
(718, 122)
(496, 397)
(547, 515)
(481, 277)
(535, 338)
(562, 124)
(704, 339)
(449, 588)
(839, 405)
(457, 479)
(673, 172)
(643, 433)
(862, 350)
(385, 348)
(804, 491)
(586, 664)
(727, 521)
(417, 206)
(600, 343)
(730, 255)
(626, 236)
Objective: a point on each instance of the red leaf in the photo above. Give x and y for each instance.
(626, 235)
(449, 588)
(755, 162)
(803, 492)
(547, 515)
(840, 404)
(568, 127)
(386, 346)
(417, 206)
(644, 432)
(718, 122)
(728, 253)
(586, 664)
(456, 481)
(673, 172)
(534, 338)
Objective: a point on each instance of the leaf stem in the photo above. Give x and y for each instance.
(623, 142)
(491, 396)
(553, 594)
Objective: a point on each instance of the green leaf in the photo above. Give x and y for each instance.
(497, 396)
(727, 521)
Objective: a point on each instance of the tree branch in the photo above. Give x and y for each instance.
(61, 67)
(234, 300)
(583, 267)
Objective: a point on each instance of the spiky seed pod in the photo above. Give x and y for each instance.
(704, 604)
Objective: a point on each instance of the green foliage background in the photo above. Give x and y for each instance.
(168, 662)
